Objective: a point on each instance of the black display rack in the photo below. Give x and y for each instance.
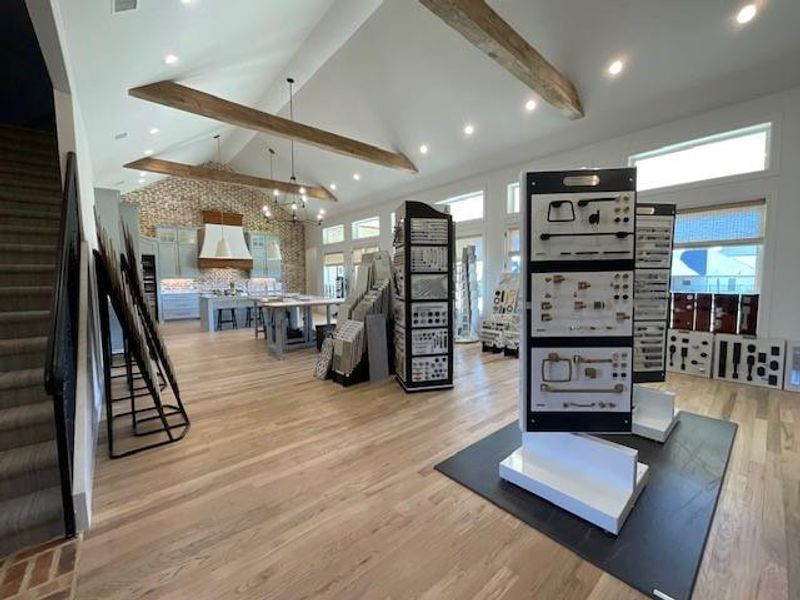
(655, 231)
(423, 297)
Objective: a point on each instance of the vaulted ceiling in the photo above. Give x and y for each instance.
(393, 74)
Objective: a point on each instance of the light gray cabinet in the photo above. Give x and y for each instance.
(266, 251)
(177, 252)
(180, 306)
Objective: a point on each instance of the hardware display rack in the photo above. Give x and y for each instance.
(423, 297)
(655, 228)
(467, 301)
(499, 331)
(579, 249)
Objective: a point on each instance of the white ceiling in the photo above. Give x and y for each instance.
(238, 49)
(394, 75)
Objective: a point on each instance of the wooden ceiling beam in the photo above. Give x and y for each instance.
(166, 167)
(181, 97)
(485, 29)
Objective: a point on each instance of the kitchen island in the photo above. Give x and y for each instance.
(281, 312)
(211, 303)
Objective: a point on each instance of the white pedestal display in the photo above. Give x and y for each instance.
(654, 413)
(592, 478)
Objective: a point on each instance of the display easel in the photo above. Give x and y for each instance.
(141, 362)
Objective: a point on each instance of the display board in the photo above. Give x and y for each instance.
(499, 331)
(578, 249)
(655, 226)
(424, 245)
(755, 361)
(690, 352)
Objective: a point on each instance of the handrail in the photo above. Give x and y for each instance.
(60, 372)
(54, 373)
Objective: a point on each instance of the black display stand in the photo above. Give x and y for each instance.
(144, 361)
(655, 231)
(578, 250)
(423, 297)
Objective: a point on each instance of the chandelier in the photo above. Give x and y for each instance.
(296, 203)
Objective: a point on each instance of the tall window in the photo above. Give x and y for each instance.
(358, 253)
(366, 228)
(719, 250)
(512, 198)
(467, 207)
(513, 249)
(730, 153)
(461, 243)
(333, 275)
(333, 234)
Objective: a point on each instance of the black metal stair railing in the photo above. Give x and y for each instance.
(62, 345)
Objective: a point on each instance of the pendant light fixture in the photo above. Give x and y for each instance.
(223, 248)
(294, 202)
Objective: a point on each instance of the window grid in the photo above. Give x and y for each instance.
(466, 207)
(366, 228)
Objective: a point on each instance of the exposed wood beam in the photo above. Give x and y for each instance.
(175, 95)
(166, 167)
(484, 28)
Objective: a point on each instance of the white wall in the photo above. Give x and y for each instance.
(780, 285)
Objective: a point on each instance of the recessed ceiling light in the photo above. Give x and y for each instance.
(322, 211)
(154, 130)
(333, 186)
(469, 129)
(615, 68)
(142, 173)
(148, 152)
(302, 191)
(170, 59)
(530, 105)
(186, 1)
(356, 176)
(746, 14)
(423, 149)
(141, 181)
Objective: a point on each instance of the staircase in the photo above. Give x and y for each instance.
(30, 210)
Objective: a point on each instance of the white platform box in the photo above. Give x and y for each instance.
(654, 413)
(592, 478)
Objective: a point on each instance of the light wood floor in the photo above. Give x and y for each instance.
(288, 487)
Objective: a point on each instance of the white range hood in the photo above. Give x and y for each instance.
(240, 257)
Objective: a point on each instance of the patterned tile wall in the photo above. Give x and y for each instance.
(179, 201)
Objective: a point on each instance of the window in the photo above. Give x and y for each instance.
(467, 207)
(719, 250)
(722, 155)
(333, 275)
(462, 243)
(366, 228)
(358, 253)
(512, 198)
(513, 249)
(333, 234)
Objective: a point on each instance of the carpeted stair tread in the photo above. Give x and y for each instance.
(19, 417)
(33, 457)
(22, 377)
(26, 290)
(23, 315)
(26, 248)
(29, 230)
(31, 510)
(12, 346)
(35, 212)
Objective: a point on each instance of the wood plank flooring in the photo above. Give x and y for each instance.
(288, 487)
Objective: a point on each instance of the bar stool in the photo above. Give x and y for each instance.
(258, 320)
(230, 321)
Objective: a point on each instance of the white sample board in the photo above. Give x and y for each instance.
(749, 360)
(792, 378)
(690, 352)
(585, 303)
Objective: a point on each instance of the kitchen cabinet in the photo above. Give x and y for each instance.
(180, 306)
(177, 252)
(266, 251)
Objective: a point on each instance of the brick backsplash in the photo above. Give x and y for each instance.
(180, 201)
